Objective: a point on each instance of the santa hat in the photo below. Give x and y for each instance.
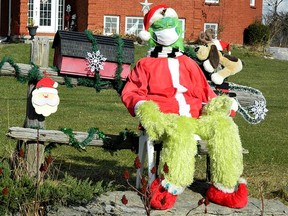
(222, 45)
(47, 85)
(156, 13)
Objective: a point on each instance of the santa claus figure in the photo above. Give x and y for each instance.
(176, 84)
(45, 97)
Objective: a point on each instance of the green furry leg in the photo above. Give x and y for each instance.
(179, 146)
(179, 153)
(223, 142)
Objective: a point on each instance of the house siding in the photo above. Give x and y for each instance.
(232, 16)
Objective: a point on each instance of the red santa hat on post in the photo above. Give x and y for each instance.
(156, 13)
(47, 85)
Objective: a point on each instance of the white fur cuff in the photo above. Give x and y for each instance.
(242, 181)
(173, 189)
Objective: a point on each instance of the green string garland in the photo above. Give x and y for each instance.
(82, 145)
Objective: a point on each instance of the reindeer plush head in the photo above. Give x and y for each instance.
(212, 58)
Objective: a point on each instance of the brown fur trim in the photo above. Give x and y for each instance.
(214, 56)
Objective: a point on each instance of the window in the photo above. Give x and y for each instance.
(61, 15)
(30, 10)
(211, 25)
(183, 27)
(213, 1)
(111, 25)
(134, 25)
(252, 3)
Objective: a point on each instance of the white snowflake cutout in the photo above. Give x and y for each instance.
(95, 61)
(259, 109)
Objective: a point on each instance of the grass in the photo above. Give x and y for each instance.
(81, 108)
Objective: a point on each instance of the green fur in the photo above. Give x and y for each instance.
(180, 147)
(163, 23)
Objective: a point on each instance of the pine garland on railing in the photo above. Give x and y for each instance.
(82, 145)
(33, 73)
(9, 60)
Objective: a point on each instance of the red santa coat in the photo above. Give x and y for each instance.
(177, 85)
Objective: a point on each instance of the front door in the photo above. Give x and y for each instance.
(46, 15)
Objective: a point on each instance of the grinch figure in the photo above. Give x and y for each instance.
(167, 90)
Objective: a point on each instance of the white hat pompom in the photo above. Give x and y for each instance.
(144, 35)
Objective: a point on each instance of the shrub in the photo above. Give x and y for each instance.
(256, 34)
(22, 194)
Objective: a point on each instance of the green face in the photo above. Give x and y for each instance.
(166, 23)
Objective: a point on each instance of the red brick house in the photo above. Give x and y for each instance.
(229, 17)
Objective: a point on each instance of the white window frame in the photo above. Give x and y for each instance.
(252, 3)
(213, 25)
(212, 1)
(140, 24)
(183, 25)
(111, 31)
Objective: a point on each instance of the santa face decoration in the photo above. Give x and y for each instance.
(45, 97)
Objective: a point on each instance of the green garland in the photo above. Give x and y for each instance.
(90, 36)
(119, 82)
(98, 84)
(82, 145)
(9, 60)
(33, 74)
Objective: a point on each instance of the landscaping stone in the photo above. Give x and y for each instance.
(280, 53)
(110, 204)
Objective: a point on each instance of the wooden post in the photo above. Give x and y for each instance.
(34, 151)
(40, 52)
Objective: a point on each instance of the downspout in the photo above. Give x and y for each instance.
(9, 19)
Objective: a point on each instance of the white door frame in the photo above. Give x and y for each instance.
(53, 17)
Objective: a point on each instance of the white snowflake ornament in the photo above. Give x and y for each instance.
(95, 61)
(259, 109)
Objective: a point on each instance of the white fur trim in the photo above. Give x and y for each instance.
(208, 67)
(234, 105)
(45, 90)
(184, 108)
(224, 189)
(55, 85)
(217, 44)
(217, 79)
(157, 15)
(197, 137)
(144, 35)
(170, 12)
(137, 105)
(173, 189)
(242, 181)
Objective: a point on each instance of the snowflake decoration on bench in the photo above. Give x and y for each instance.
(259, 109)
(95, 61)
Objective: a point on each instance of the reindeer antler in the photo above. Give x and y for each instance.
(202, 37)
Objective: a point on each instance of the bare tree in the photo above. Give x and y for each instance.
(273, 5)
(277, 22)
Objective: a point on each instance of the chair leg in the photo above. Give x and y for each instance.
(142, 155)
(151, 161)
(208, 171)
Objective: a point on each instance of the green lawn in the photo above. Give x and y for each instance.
(81, 108)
